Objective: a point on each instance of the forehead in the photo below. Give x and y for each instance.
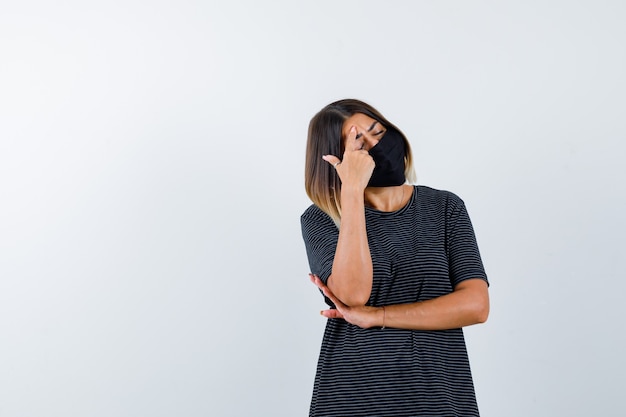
(361, 121)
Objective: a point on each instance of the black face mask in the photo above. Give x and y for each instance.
(388, 154)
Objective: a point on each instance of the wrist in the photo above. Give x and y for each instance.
(352, 191)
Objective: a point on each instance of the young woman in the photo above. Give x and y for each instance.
(400, 268)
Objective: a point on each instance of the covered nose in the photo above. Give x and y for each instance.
(371, 143)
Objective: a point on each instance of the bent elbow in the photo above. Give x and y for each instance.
(482, 313)
(482, 316)
(481, 307)
(349, 291)
(356, 300)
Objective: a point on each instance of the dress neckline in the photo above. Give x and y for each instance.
(395, 212)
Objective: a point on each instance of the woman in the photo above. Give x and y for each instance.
(398, 265)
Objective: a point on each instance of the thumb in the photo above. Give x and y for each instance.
(331, 314)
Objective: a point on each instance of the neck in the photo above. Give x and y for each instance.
(387, 198)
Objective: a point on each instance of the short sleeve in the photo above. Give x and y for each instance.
(463, 255)
(320, 236)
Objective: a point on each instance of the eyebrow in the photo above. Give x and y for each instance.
(372, 126)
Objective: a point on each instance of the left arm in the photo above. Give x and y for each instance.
(468, 304)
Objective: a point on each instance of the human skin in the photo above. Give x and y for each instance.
(350, 283)
(468, 304)
(352, 273)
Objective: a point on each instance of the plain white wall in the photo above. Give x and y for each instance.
(151, 183)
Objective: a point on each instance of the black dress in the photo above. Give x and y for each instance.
(419, 252)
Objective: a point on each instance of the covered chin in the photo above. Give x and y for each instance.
(386, 180)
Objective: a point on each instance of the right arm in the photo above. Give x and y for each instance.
(352, 272)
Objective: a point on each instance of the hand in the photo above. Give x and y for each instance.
(357, 165)
(362, 316)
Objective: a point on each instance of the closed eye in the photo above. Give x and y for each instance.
(359, 135)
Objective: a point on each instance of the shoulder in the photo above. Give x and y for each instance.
(313, 212)
(439, 197)
(315, 215)
(317, 226)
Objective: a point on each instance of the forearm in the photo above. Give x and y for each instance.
(352, 273)
(467, 305)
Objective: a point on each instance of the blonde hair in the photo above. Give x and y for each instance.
(321, 181)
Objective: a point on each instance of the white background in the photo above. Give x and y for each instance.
(151, 183)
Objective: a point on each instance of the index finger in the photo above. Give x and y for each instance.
(352, 143)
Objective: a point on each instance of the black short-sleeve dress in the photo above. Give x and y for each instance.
(419, 252)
